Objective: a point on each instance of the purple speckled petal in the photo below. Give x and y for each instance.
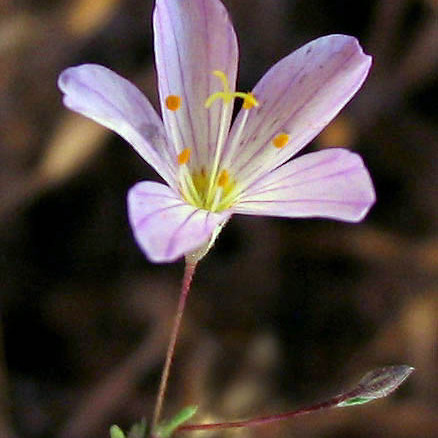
(165, 226)
(107, 98)
(298, 96)
(332, 183)
(192, 39)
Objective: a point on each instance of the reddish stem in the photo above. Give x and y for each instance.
(264, 420)
(187, 280)
(375, 384)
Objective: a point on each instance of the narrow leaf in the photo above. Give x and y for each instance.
(138, 430)
(376, 384)
(116, 432)
(166, 430)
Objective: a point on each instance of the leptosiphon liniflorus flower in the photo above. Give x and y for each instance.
(210, 170)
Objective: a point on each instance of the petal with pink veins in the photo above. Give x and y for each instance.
(165, 227)
(107, 98)
(192, 39)
(333, 183)
(298, 96)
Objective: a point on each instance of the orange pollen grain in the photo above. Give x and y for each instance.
(249, 103)
(223, 178)
(184, 156)
(173, 102)
(280, 140)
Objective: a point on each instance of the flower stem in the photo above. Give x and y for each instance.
(187, 280)
(375, 384)
(258, 421)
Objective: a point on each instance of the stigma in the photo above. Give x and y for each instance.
(227, 95)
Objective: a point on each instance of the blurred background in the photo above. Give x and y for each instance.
(282, 312)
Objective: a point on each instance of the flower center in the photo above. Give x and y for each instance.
(211, 187)
(194, 186)
(220, 187)
(214, 188)
(222, 193)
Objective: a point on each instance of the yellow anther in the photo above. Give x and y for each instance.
(184, 156)
(249, 101)
(227, 96)
(281, 140)
(173, 102)
(223, 178)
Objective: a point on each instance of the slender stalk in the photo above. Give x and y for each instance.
(375, 384)
(258, 421)
(187, 280)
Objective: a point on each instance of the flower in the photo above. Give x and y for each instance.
(213, 171)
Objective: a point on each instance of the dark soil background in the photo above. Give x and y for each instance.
(282, 312)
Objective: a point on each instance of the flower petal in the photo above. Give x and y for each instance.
(332, 183)
(298, 96)
(192, 39)
(166, 227)
(107, 98)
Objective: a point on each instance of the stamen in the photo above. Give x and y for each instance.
(189, 190)
(238, 135)
(217, 198)
(173, 102)
(230, 196)
(249, 101)
(227, 96)
(281, 140)
(186, 190)
(223, 179)
(184, 156)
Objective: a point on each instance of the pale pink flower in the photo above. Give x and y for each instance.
(213, 171)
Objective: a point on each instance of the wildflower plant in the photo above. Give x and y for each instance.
(213, 167)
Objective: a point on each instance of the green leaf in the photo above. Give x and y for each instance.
(355, 401)
(138, 430)
(166, 429)
(376, 384)
(116, 432)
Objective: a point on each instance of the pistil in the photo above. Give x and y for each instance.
(227, 96)
(236, 139)
(213, 190)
